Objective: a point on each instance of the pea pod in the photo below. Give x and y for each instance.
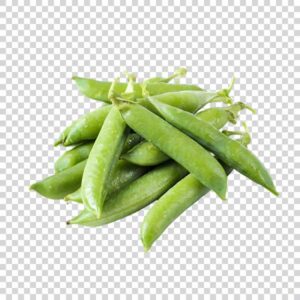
(63, 135)
(220, 116)
(98, 90)
(60, 184)
(190, 101)
(173, 203)
(81, 152)
(73, 157)
(88, 126)
(131, 140)
(123, 174)
(229, 151)
(174, 143)
(146, 154)
(134, 196)
(104, 154)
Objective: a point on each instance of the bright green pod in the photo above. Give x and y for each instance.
(229, 151)
(146, 154)
(134, 196)
(81, 152)
(123, 174)
(102, 159)
(60, 184)
(72, 157)
(175, 144)
(174, 202)
(87, 127)
(98, 90)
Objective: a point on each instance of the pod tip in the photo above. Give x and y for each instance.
(57, 142)
(145, 245)
(275, 192)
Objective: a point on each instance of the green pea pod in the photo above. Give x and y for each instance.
(123, 174)
(190, 101)
(146, 154)
(220, 116)
(72, 157)
(61, 184)
(85, 128)
(131, 140)
(74, 197)
(134, 196)
(63, 136)
(88, 126)
(175, 144)
(231, 152)
(81, 152)
(101, 161)
(98, 90)
(173, 203)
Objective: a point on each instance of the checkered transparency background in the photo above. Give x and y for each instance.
(246, 246)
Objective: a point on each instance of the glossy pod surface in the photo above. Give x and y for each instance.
(81, 152)
(87, 127)
(134, 196)
(174, 143)
(102, 159)
(73, 157)
(187, 100)
(98, 90)
(146, 154)
(229, 151)
(123, 174)
(174, 202)
(60, 184)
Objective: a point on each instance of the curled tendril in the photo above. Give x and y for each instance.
(245, 135)
(234, 110)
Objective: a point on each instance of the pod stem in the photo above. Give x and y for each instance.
(227, 91)
(112, 92)
(245, 135)
(180, 72)
(219, 98)
(129, 92)
(236, 108)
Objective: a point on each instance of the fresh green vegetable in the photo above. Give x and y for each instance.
(98, 90)
(134, 196)
(72, 157)
(146, 154)
(123, 174)
(231, 152)
(60, 184)
(140, 125)
(151, 127)
(85, 128)
(173, 203)
(101, 161)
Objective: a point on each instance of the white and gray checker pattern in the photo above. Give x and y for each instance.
(247, 247)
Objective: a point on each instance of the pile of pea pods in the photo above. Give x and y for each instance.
(153, 141)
